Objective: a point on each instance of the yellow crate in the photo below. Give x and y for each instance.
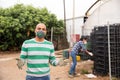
(77, 58)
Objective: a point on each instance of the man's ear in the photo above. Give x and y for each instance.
(34, 31)
(46, 31)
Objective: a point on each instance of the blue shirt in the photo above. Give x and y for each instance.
(78, 46)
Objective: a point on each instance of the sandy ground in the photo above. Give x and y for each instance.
(9, 70)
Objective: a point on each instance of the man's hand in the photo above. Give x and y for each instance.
(20, 63)
(62, 62)
(91, 54)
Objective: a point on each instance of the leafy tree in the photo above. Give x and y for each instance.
(17, 24)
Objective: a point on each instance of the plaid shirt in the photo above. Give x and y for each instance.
(78, 46)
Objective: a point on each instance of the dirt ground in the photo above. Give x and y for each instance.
(9, 70)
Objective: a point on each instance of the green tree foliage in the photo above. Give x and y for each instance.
(17, 24)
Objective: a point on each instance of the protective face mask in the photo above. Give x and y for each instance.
(40, 34)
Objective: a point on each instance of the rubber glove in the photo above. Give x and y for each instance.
(61, 62)
(20, 63)
(91, 54)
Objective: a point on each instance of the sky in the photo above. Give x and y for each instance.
(55, 6)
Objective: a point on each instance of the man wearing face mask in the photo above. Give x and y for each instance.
(79, 46)
(38, 53)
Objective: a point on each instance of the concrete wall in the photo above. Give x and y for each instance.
(78, 23)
